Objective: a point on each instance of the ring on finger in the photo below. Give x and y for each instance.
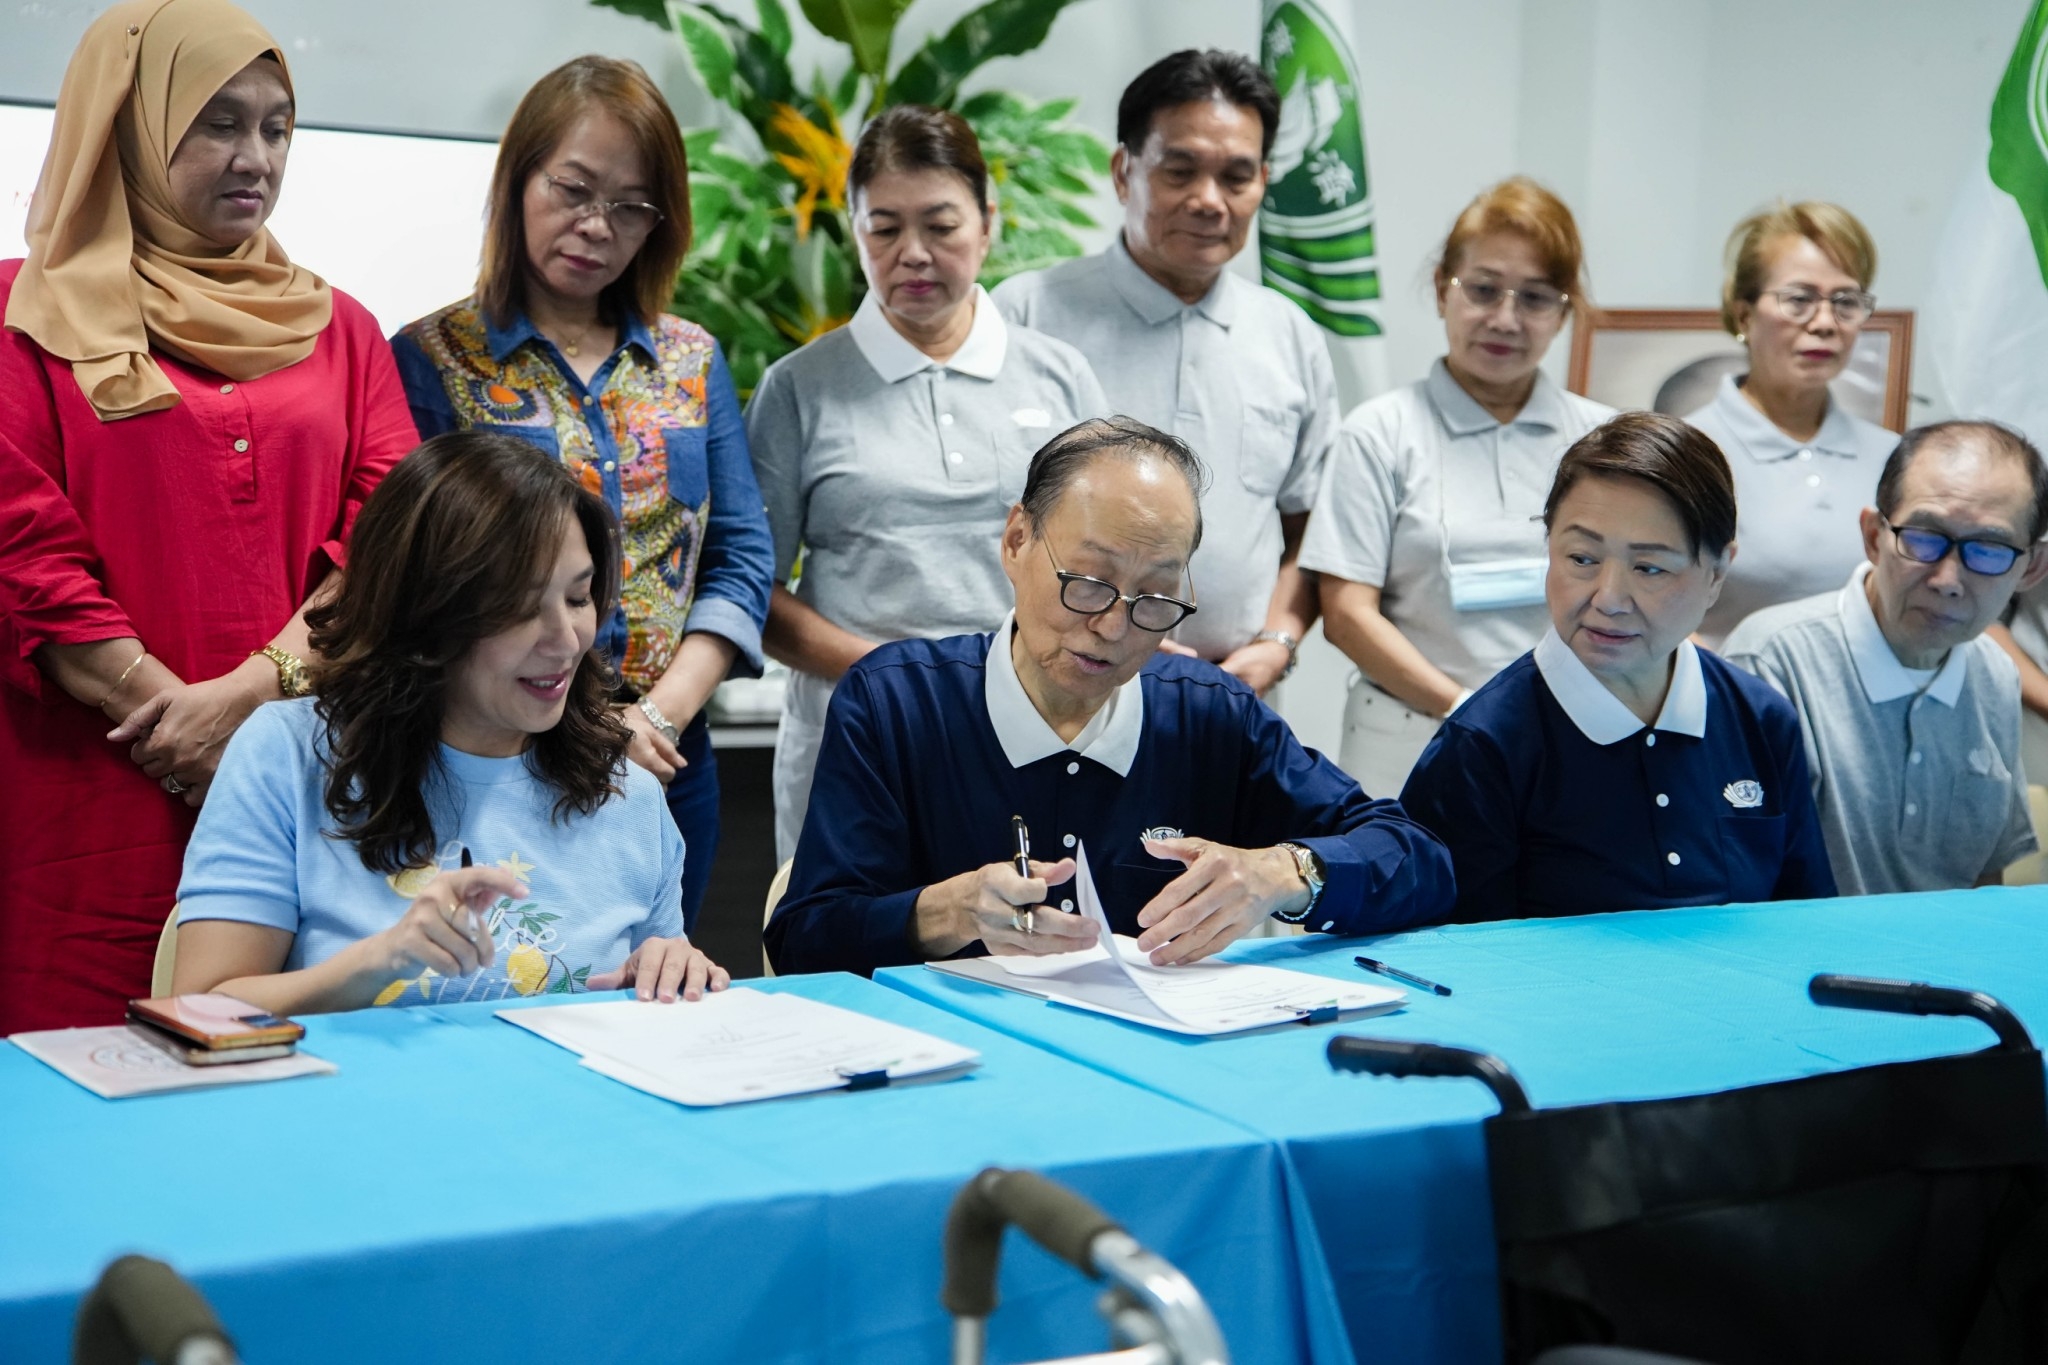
(174, 786)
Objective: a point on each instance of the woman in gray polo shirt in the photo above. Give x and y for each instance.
(889, 451)
(1797, 295)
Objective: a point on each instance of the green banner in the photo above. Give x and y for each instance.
(1316, 227)
(2019, 130)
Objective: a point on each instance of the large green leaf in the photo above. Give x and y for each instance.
(866, 26)
(710, 51)
(653, 11)
(1000, 28)
(775, 29)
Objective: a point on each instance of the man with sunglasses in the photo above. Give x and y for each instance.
(1911, 714)
(1202, 816)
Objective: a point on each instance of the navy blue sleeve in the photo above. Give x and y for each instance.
(1462, 792)
(1382, 871)
(846, 909)
(1807, 873)
(432, 413)
(737, 563)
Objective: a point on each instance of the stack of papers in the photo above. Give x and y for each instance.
(1202, 998)
(115, 1061)
(742, 1044)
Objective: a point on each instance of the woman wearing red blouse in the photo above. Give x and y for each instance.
(188, 423)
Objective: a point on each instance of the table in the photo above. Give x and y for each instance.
(1392, 1173)
(463, 1190)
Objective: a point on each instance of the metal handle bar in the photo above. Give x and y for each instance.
(1918, 997)
(1386, 1057)
(143, 1310)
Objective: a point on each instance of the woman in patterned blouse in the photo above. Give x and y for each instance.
(566, 344)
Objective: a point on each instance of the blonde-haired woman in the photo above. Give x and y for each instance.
(1796, 294)
(188, 425)
(1426, 533)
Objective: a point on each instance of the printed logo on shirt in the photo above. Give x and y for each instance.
(1031, 417)
(1744, 795)
(1162, 832)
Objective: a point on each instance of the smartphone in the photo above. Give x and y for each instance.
(218, 1023)
(192, 1054)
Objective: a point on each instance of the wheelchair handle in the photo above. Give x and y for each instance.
(1049, 1214)
(1918, 997)
(1386, 1057)
(143, 1310)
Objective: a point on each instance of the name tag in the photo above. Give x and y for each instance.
(1491, 585)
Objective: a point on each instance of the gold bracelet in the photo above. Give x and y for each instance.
(123, 678)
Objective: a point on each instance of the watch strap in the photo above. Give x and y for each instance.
(1311, 869)
(291, 671)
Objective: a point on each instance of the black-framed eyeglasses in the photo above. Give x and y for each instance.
(628, 217)
(1532, 301)
(1798, 304)
(1086, 596)
(1988, 557)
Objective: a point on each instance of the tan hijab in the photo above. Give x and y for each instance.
(112, 270)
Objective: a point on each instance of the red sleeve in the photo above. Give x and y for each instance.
(380, 428)
(50, 590)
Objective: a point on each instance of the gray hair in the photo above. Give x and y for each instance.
(1060, 460)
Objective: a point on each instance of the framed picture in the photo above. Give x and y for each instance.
(1672, 359)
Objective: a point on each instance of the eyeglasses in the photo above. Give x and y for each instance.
(1533, 301)
(1988, 557)
(627, 217)
(1851, 306)
(1085, 596)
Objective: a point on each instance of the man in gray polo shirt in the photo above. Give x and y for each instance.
(1911, 715)
(1237, 371)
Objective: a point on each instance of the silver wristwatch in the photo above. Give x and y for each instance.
(1283, 638)
(662, 725)
(1311, 869)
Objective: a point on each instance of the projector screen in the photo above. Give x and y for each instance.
(392, 219)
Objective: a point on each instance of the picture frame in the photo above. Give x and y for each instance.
(1672, 359)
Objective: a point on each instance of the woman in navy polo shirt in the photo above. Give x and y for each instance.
(1617, 766)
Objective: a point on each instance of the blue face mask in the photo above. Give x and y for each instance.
(1496, 584)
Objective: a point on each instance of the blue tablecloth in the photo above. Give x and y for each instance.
(1605, 1007)
(463, 1190)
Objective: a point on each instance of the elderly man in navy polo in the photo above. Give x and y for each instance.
(1202, 815)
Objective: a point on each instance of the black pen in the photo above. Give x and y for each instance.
(1373, 964)
(1023, 846)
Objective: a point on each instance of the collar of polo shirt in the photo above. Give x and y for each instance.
(1760, 438)
(895, 359)
(1461, 414)
(1600, 715)
(1154, 302)
(1110, 737)
(1883, 677)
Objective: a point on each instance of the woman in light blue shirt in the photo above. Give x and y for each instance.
(451, 817)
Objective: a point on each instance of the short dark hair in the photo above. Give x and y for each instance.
(454, 546)
(2001, 438)
(1060, 460)
(1189, 77)
(1673, 456)
(912, 137)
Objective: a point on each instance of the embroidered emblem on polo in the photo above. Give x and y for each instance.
(1744, 795)
(1162, 832)
(1031, 417)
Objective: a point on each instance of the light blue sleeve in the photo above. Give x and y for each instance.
(242, 860)
(665, 910)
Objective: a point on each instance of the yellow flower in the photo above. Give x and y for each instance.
(528, 968)
(412, 880)
(818, 162)
(392, 992)
(813, 325)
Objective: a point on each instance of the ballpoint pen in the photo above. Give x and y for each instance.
(1373, 964)
(1023, 846)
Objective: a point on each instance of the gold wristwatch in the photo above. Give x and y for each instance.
(1310, 867)
(291, 670)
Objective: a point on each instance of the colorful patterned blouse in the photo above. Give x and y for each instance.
(657, 434)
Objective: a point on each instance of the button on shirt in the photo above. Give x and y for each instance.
(1796, 503)
(1916, 773)
(930, 749)
(1242, 376)
(1423, 481)
(1556, 800)
(893, 472)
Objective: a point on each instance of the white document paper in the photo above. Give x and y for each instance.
(1202, 998)
(114, 1063)
(738, 1045)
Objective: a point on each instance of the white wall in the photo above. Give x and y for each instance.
(1660, 123)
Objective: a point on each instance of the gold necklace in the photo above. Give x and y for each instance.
(569, 346)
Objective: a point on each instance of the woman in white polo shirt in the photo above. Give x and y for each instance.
(1427, 531)
(1797, 294)
(890, 451)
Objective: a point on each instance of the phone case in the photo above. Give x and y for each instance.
(216, 1022)
(192, 1054)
